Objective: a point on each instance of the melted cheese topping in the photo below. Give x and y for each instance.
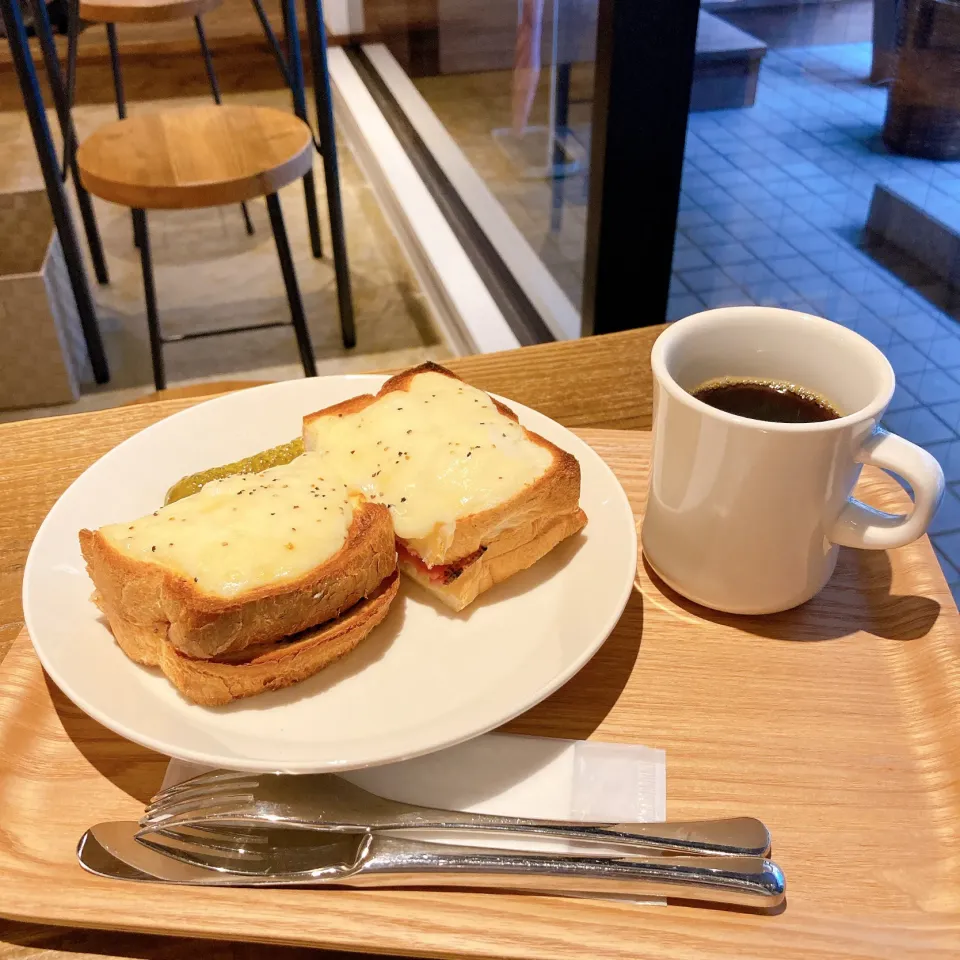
(246, 532)
(433, 453)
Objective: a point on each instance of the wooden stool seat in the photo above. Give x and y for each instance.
(143, 11)
(197, 157)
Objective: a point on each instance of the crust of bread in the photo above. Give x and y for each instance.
(555, 493)
(513, 551)
(213, 683)
(144, 601)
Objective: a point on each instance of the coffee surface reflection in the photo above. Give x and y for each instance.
(774, 400)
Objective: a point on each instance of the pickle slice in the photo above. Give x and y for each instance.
(274, 457)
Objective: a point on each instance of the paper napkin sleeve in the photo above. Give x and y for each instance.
(580, 780)
(520, 777)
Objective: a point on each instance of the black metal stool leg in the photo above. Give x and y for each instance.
(50, 168)
(328, 148)
(215, 90)
(299, 91)
(293, 288)
(115, 67)
(118, 94)
(61, 100)
(73, 39)
(271, 38)
(150, 297)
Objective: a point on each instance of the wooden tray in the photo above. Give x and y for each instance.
(838, 724)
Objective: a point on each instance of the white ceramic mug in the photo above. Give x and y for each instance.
(744, 515)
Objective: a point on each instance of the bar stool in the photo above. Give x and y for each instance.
(289, 60)
(203, 157)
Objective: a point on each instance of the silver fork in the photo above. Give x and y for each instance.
(329, 803)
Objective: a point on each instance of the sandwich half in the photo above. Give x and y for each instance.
(251, 584)
(474, 496)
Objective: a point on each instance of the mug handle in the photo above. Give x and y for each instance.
(861, 526)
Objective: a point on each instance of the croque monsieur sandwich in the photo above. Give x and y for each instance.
(261, 578)
(474, 497)
(252, 584)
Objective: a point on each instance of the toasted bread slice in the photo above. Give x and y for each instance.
(248, 560)
(458, 585)
(274, 666)
(453, 465)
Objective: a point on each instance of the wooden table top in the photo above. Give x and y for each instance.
(596, 382)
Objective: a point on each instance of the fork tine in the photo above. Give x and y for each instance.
(199, 796)
(222, 805)
(204, 782)
(226, 837)
(206, 779)
(225, 844)
(175, 846)
(209, 833)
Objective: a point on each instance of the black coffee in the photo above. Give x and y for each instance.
(772, 400)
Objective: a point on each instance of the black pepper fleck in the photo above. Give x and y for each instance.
(402, 500)
(154, 549)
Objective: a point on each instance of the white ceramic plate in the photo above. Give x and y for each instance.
(425, 679)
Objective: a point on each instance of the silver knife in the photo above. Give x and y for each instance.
(371, 860)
